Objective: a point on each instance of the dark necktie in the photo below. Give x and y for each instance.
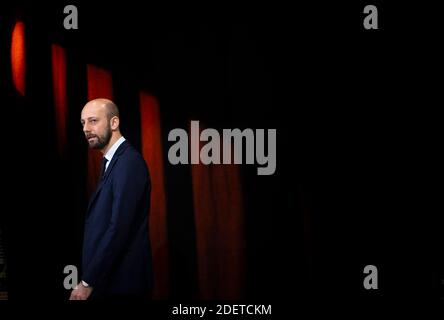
(102, 172)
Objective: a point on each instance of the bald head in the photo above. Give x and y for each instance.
(100, 122)
(107, 105)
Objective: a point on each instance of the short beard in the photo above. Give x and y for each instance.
(102, 141)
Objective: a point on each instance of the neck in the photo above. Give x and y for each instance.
(115, 136)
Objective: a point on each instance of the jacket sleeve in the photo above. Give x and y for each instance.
(129, 186)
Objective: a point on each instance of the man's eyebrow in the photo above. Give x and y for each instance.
(89, 118)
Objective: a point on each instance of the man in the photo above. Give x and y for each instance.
(116, 249)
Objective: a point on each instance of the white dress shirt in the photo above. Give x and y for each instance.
(109, 155)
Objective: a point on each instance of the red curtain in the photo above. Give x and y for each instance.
(100, 85)
(18, 57)
(219, 220)
(152, 153)
(60, 97)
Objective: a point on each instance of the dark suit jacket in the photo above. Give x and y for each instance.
(116, 247)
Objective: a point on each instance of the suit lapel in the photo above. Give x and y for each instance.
(114, 160)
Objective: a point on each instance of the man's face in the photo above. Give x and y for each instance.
(96, 125)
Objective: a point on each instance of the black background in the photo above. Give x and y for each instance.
(356, 110)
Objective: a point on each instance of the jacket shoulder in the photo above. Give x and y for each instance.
(132, 158)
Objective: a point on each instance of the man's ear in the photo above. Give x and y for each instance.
(115, 123)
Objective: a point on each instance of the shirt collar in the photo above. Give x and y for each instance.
(109, 155)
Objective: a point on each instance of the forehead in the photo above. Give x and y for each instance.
(93, 110)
